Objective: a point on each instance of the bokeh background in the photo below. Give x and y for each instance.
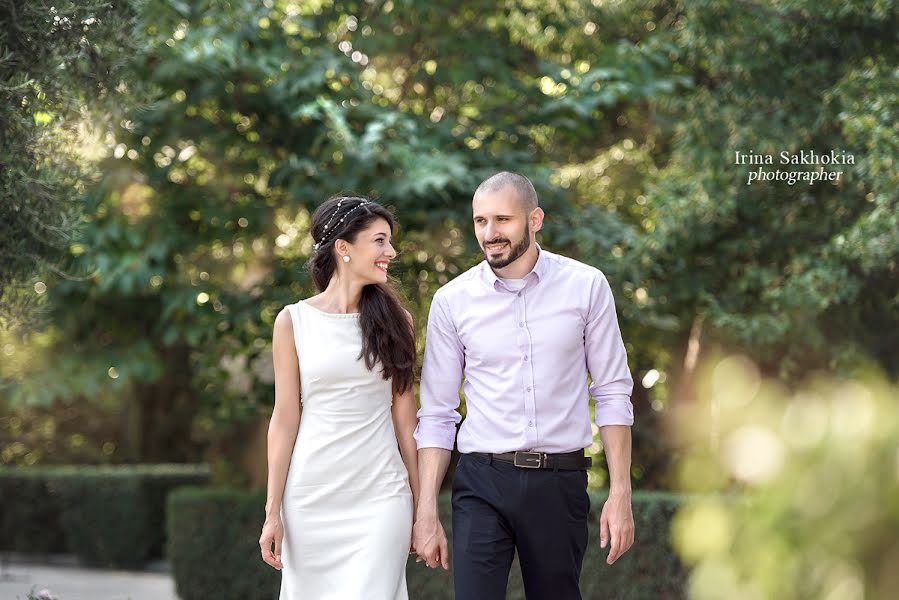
(159, 162)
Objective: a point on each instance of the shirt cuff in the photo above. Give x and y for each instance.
(435, 435)
(614, 410)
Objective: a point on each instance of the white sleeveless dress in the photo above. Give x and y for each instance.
(347, 507)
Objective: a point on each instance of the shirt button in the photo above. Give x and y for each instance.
(521, 323)
(530, 423)
(529, 389)
(518, 294)
(525, 359)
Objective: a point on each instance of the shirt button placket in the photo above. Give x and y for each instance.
(525, 349)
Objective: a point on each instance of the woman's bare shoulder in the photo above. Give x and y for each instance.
(284, 322)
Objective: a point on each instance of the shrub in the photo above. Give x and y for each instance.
(105, 516)
(817, 471)
(29, 521)
(109, 516)
(214, 550)
(650, 569)
(213, 545)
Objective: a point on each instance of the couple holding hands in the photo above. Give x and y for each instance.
(354, 489)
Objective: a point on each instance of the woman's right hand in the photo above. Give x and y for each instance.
(272, 533)
(429, 541)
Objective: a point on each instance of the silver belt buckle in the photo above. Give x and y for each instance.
(529, 460)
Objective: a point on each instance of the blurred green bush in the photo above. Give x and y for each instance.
(214, 550)
(107, 516)
(213, 545)
(807, 485)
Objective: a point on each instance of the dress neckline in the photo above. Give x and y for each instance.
(354, 315)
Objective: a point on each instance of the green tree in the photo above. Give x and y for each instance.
(256, 113)
(800, 277)
(230, 122)
(56, 63)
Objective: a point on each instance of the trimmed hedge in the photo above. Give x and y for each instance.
(213, 545)
(650, 569)
(214, 552)
(109, 516)
(29, 521)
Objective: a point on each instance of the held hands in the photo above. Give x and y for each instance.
(272, 533)
(617, 522)
(429, 542)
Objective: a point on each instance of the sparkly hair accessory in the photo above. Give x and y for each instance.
(326, 231)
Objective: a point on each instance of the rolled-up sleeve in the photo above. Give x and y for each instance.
(441, 377)
(607, 359)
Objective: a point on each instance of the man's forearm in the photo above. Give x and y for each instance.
(432, 465)
(616, 442)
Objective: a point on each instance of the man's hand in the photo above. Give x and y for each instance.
(429, 541)
(617, 521)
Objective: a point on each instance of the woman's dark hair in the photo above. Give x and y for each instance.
(387, 335)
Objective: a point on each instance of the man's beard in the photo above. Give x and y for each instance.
(516, 250)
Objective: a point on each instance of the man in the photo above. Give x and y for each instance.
(523, 328)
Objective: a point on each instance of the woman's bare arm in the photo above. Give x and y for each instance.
(404, 422)
(282, 433)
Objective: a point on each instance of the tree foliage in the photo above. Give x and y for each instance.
(55, 62)
(231, 121)
(801, 277)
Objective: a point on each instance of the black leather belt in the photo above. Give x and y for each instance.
(569, 461)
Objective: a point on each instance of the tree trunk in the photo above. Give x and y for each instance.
(161, 414)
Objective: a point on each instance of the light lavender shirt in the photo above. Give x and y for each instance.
(524, 356)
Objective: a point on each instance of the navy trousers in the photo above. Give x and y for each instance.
(499, 508)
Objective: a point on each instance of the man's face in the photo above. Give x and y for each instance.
(501, 226)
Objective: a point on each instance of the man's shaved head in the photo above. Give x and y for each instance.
(523, 187)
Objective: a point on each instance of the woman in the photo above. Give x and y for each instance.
(341, 486)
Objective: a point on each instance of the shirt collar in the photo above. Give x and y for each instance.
(534, 276)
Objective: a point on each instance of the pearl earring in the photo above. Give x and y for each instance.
(346, 258)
